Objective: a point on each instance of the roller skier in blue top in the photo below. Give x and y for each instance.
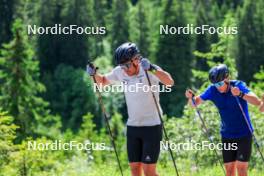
(234, 128)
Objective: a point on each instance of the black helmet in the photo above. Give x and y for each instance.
(125, 52)
(218, 73)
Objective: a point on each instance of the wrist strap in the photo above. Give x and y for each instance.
(153, 68)
(241, 94)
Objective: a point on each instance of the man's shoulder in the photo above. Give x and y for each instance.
(237, 82)
(210, 88)
(207, 93)
(117, 71)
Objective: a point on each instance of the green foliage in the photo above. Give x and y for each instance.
(49, 46)
(71, 95)
(71, 49)
(119, 131)
(26, 161)
(88, 128)
(62, 58)
(205, 15)
(139, 28)
(75, 48)
(20, 86)
(174, 56)
(221, 52)
(119, 29)
(6, 16)
(89, 133)
(250, 39)
(8, 134)
(101, 17)
(259, 84)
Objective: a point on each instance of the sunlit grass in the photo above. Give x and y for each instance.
(169, 171)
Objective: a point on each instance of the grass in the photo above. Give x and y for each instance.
(78, 166)
(109, 170)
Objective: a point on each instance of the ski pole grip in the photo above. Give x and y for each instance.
(92, 65)
(191, 92)
(192, 98)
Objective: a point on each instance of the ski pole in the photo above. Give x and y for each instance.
(207, 132)
(106, 119)
(163, 127)
(250, 129)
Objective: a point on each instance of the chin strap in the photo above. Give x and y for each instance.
(228, 86)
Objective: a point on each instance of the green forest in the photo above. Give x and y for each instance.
(47, 96)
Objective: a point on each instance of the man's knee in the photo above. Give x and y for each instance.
(150, 169)
(230, 168)
(136, 168)
(242, 168)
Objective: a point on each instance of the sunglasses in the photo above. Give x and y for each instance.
(126, 65)
(219, 84)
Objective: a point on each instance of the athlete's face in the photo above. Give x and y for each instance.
(131, 67)
(222, 86)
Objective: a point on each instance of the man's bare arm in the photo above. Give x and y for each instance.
(197, 99)
(101, 79)
(252, 99)
(164, 77)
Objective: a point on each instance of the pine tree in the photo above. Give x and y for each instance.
(202, 42)
(174, 55)
(6, 19)
(120, 25)
(230, 3)
(72, 95)
(72, 49)
(250, 39)
(139, 28)
(100, 13)
(20, 87)
(62, 53)
(207, 14)
(222, 49)
(76, 48)
(49, 46)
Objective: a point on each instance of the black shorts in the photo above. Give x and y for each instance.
(143, 143)
(243, 152)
